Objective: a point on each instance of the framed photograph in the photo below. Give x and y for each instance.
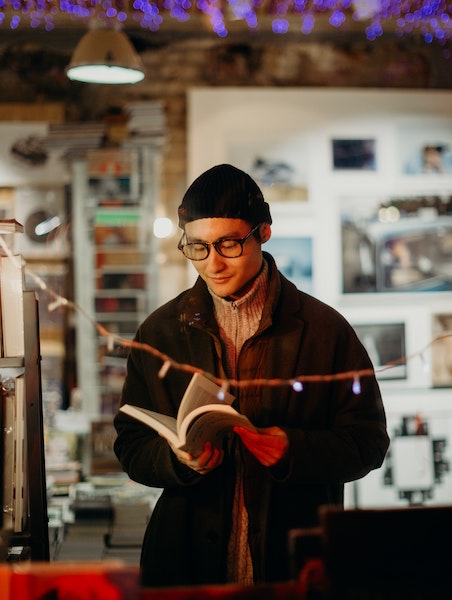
(385, 344)
(426, 149)
(293, 256)
(442, 350)
(354, 154)
(27, 159)
(44, 213)
(416, 470)
(396, 244)
(280, 165)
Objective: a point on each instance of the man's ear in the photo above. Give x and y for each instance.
(265, 232)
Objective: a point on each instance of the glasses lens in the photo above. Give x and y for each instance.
(229, 248)
(195, 251)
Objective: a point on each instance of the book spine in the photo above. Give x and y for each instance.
(12, 305)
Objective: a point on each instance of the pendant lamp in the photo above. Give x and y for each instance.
(105, 56)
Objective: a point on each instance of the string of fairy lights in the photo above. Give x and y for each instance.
(431, 19)
(297, 382)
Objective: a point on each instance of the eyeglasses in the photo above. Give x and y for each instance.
(227, 248)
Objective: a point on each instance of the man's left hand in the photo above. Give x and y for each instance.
(269, 444)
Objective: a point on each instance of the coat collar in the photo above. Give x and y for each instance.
(282, 296)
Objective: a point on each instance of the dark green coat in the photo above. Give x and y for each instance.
(335, 436)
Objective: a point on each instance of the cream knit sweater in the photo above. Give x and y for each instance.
(238, 320)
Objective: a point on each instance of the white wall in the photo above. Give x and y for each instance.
(297, 126)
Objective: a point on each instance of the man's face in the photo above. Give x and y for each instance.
(226, 277)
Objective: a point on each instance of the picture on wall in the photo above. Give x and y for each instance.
(426, 150)
(44, 213)
(385, 344)
(417, 468)
(442, 350)
(27, 159)
(293, 256)
(279, 166)
(351, 154)
(396, 244)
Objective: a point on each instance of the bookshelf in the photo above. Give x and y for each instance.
(114, 197)
(24, 527)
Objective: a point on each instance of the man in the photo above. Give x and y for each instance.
(224, 516)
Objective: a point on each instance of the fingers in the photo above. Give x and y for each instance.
(268, 445)
(210, 458)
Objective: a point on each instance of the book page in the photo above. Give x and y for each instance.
(163, 424)
(209, 423)
(200, 391)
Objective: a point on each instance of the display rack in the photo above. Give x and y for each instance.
(30, 540)
(115, 193)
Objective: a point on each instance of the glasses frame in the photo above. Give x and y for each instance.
(207, 245)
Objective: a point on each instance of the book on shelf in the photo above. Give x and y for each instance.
(20, 480)
(12, 304)
(10, 226)
(13, 476)
(204, 415)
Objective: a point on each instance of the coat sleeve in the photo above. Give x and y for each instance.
(145, 456)
(335, 434)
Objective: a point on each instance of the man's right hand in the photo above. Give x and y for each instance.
(210, 458)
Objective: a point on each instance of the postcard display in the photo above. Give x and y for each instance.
(360, 188)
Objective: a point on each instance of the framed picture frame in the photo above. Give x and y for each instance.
(385, 344)
(293, 256)
(416, 470)
(44, 213)
(279, 165)
(425, 148)
(396, 244)
(354, 154)
(441, 351)
(27, 159)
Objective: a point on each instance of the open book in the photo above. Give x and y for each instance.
(202, 417)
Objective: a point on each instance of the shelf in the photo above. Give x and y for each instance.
(11, 362)
(118, 264)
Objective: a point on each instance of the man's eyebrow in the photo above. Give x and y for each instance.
(235, 235)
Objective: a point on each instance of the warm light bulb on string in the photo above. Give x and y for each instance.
(110, 343)
(168, 362)
(164, 369)
(224, 390)
(425, 365)
(297, 386)
(356, 386)
(60, 301)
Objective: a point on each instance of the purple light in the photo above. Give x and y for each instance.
(337, 18)
(280, 25)
(432, 19)
(308, 24)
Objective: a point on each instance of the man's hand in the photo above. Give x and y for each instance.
(210, 458)
(269, 444)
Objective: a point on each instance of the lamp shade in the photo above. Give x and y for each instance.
(105, 56)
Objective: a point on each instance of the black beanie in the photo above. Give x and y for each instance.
(226, 192)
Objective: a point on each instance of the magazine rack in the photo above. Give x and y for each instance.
(32, 540)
